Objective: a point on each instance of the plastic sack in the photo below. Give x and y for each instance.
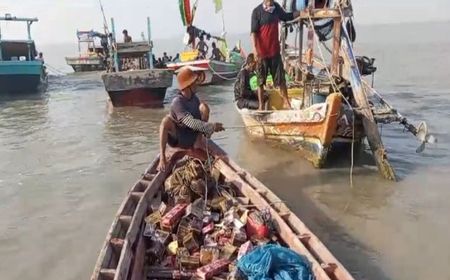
(275, 262)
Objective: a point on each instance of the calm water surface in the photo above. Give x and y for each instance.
(66, 163)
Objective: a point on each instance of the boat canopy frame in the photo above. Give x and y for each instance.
(29, 22)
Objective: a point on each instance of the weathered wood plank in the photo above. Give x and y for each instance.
(304, 233)
(107, 274)
(106, 252)
(364, 110)
(284, 231)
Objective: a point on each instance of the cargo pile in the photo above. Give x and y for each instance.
(201, 227)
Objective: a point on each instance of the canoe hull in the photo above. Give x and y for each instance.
(123, 253)
(309, 131)
(143, 88)
(22, 76)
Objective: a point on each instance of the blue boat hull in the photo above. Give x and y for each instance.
(21, 76)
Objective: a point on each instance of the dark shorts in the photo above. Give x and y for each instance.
(274, 66)
(251, 103)
(247, 103)
(184, 138)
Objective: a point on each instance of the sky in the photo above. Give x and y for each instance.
(59, 19)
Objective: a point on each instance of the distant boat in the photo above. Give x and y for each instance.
(20, 69)
(216, 71)
(131, 79)
(91, 53)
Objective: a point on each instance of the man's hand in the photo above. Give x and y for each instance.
(162, 164)
(218, 127)
(256, 56)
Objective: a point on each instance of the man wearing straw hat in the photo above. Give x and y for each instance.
(187, 124)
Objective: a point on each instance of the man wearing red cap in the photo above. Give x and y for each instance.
(187, 123)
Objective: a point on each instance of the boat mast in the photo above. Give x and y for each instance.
(114, 50)
(150, 53)
(1, 56)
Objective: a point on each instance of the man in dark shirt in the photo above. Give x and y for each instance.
(187, 122)
(244, 96)
(126, 37)
(266, 46)
(216, 53)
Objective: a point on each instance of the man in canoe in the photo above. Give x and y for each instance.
(187, 124)
(266, 46)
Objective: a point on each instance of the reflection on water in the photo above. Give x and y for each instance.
(66, 163)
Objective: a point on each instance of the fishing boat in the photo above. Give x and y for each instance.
(21, 71)
(131, 80)
(131, 249)
(91, 54)
(215, 71)
(333, 104)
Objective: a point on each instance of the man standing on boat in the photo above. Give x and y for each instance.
(216, 54)
(187, 124)
(202, 47)
(266, 46)
(126, 37)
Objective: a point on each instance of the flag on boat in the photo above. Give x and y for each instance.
(185, 12)
(218, 4)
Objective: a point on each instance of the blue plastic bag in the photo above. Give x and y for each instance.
(275, 262)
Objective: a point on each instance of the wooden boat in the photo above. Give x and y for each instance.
(20, 70)
(132, 80)
(311, 130)
(214, 71)
(341, 74)
(91, 55)
(123, 253)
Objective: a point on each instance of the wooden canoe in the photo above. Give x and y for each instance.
(122, 256)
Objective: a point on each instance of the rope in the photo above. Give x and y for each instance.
(336, 88)
(54, 69)
(221, 76)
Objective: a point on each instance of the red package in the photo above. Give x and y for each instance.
(172, 217)
(212, 269)
(256, 226)
(207, 229)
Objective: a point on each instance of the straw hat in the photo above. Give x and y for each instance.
(187, 77)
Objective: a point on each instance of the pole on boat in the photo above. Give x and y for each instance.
(150, 53)
(1, 56)
(300, 50)
(29, 39)
(114, 50)
(336, 45)
(364, 110)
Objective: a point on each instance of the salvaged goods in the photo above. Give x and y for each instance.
(21, 68)
(131, 79)
(168, 228)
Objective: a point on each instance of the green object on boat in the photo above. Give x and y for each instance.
(269, 81)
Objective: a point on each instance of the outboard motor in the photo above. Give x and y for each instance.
(365, 65)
